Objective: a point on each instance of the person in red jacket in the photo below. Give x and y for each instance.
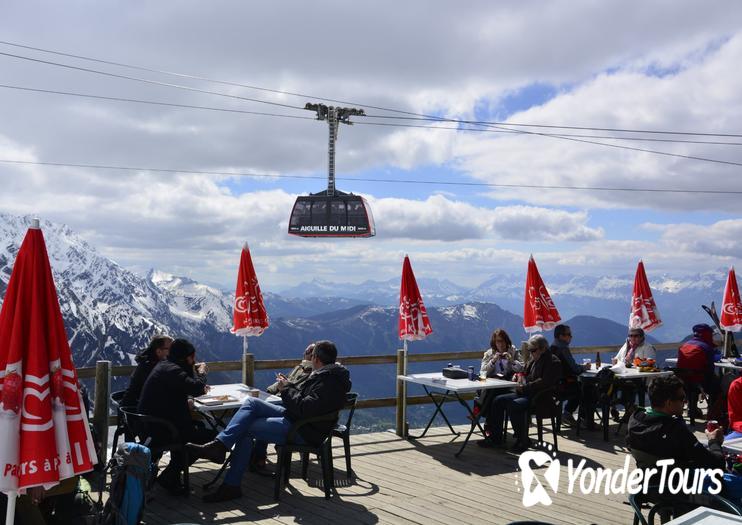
(734, 405)
(696, 362)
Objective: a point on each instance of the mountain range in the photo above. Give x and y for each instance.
(111, 312)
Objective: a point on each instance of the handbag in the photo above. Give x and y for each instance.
(452, 372)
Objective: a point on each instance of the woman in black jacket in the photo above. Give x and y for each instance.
(157, 350)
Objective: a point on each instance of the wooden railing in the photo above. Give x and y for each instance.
(103, 372)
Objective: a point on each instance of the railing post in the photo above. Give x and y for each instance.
(401, 396)
(102, 406)
(248, 369)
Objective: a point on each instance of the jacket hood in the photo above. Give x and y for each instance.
(643, 423)
(338, 372)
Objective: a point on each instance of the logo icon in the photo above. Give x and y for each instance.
(534, 491)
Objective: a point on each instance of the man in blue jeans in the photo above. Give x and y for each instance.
(323, 393)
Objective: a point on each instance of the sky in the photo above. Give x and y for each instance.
(484, 199)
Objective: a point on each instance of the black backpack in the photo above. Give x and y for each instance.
(605, 381)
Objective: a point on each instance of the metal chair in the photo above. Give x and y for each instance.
(343, 431)
(552, 411)
(323, 452)
(121, 428)
(164, 437)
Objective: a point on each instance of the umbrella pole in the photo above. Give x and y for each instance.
(10, 511)
(244, 345)
(727, 349)
(404, 391)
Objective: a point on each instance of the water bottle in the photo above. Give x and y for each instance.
(472, 376)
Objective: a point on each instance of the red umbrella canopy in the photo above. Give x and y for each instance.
(43, 426)
(539, 312)
(731, 310)
(413, 318)
(250, 317)
(644, 313)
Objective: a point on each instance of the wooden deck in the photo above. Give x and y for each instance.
(416, 481)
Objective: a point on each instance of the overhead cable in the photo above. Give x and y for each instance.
(410, 114)
(365, 179)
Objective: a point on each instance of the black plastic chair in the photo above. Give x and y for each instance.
(164, 437)
(121, 428)
(669, 506)
(323, 452)
(343, 431)
(552, 411)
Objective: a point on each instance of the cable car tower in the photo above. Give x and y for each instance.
(332, 213)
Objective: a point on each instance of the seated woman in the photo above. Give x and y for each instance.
(501, 359)
(543, 372)
(634, 352)
(157, 350)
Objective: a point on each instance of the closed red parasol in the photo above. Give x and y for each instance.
(731, 309)
(250, 317)
(44, 432)
(539, 312)
(414, 324)
(644, 313)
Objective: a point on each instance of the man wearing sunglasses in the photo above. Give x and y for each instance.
(661, 431)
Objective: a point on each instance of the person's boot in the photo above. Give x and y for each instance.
(215, 451)
(223, 493)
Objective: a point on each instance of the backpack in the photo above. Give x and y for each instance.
(130, 472)
(605, 382)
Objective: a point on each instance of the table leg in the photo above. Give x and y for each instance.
(438, 410)
(474, 424)
(604, 417)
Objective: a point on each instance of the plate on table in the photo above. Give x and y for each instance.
(216, 400)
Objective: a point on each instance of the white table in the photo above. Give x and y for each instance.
(724, 364)
(706, 516)
(215, 413)
(628, 374)
(733, 445)
(440, 392)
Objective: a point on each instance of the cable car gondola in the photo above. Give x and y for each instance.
(332, 213)
(338, 215)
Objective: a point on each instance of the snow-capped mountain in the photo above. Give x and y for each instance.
(678, 298)
(386, 293)
(110, 312)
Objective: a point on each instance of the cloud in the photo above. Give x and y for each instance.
(721, 239)
(440, 218)
(695, 98)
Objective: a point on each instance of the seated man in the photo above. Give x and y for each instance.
(322, 393)
(296, 377)
(634, 350)
(696, 360)
(542, 372)
(165, 395)
(299, 374)
(571, 391)
(660, 431)
(157, 350)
